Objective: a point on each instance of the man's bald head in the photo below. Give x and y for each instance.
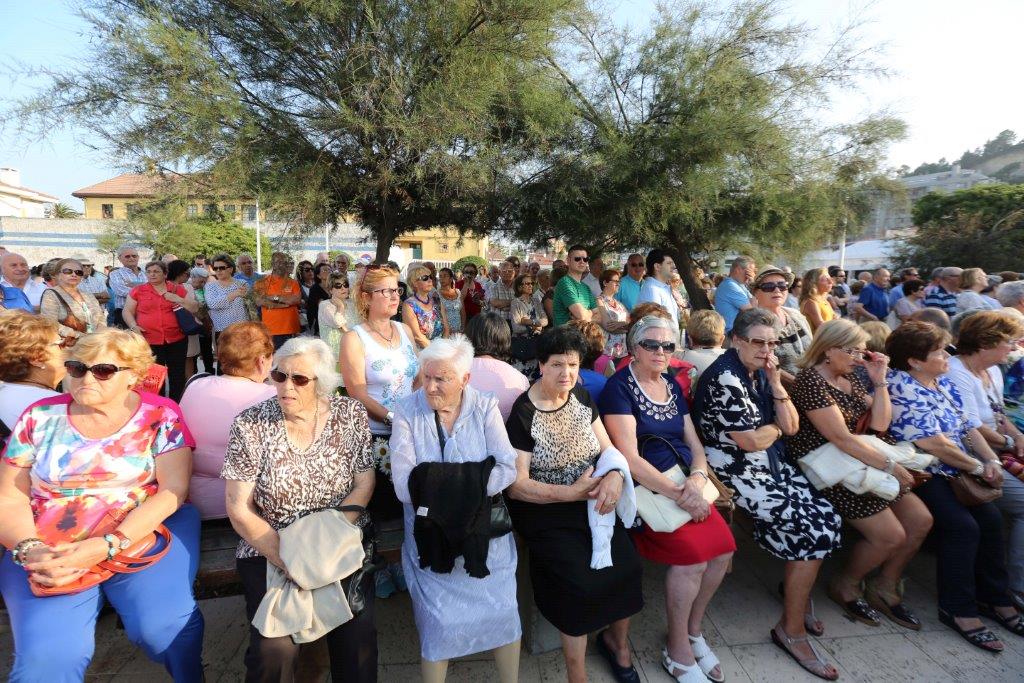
(14, 268)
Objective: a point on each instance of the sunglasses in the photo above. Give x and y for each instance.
(340, 285)
(72, 271)
(307, 269)
(469, 273)
(297, 380)
(387, 291)
(773, 286)
(652, 346)
(101, 371)
(220, 268)
(577, 259)
(425, 278)
(527, 282)
(768, 343)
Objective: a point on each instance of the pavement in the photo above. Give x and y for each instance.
(736, 627)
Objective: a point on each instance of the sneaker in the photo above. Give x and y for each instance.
(398, 577)
(384, 587)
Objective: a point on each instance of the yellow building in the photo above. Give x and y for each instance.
(116, 198)
(441, 245)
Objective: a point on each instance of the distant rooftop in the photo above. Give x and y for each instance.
(126, 185)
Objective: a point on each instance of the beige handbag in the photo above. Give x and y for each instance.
(660, 512)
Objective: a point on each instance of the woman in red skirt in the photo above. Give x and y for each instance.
(647, 419)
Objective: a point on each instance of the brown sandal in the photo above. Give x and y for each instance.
(815, 665)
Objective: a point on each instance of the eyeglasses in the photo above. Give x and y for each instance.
(855, 353)
(652, 346)
(340, 285)
(767, 343)
(584, 259)
(220, 268)
(773, 286)
(101, 371)
(425, 278)
(297, 380)
(72, 271)
(387, 291)
(613, 282)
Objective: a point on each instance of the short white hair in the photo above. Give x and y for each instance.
(328, 379)
(1011, 293)
(456, 350)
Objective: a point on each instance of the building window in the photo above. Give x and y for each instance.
(248, 212)
(210, 210)
(108, 210)
(229, 211)
(192, 211)
(417, 249)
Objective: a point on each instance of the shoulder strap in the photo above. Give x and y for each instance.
(193, 378)
(440, 433)
(647, 438)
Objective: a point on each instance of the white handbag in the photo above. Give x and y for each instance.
(660, 512)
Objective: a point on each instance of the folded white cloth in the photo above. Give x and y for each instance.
(602, 526)
(319, 550)
(827, 466)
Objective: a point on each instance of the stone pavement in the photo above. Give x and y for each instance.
(737, 626)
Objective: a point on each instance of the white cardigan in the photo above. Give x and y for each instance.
(827, 466)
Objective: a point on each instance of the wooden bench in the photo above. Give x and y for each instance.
(217, 575)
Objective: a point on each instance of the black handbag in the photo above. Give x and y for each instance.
(355, 592)
(501, 520)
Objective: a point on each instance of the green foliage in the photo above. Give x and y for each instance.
(982, 226)
(478, 261)
(62, 210)
(405, 115)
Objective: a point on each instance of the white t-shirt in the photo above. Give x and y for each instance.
(14, 398)
(977, 403)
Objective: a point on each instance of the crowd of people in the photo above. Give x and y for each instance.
(586, 409)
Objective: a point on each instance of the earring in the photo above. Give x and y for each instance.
(828, 361)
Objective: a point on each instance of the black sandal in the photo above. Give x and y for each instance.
(981, 637)
(857, 610)
(898, 613)
(622, 674)
(1018, 621)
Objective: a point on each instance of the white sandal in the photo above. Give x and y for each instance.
(706, 659)
(690, 674)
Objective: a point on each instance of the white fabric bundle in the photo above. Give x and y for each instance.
(602, 526)
(827, 466)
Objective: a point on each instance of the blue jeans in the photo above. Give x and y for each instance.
(54, 637)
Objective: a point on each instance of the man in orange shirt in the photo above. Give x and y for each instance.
(278, 297)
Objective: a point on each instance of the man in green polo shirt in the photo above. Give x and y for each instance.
(573, 299)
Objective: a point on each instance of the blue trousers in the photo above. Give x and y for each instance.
(54, 637)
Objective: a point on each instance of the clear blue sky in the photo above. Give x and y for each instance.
(953, 83)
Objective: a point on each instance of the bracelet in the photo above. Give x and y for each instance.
(781, 398)
(701, 473)
(23, 546)
(978, 471)
(882, 384)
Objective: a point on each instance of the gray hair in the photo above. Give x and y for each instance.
(1011, 293)
(742, 261)
(753, 317)
(328, 379)
(644, 325)
(952, 271)
(456, 350)
(125, 247)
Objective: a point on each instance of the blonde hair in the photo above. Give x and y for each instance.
(971, 276)
(706, 328)
(372, 278)
(130, 349)
(810, 288)
(834, 334)
(23, 338)
(417, 271)
(878, 332)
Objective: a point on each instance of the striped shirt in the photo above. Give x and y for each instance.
(123, 280)
(940, 298)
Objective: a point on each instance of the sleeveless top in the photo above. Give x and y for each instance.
(429, 321)
(389, 372)
(453, 307)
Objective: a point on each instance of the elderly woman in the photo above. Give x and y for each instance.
(985, 341)
(648, 421)
(705, 335)
(302, 451)
(831, 399)
(149, 311)
(70, 499)
(225, 295)
(422, 312)
(75, 312)
(814, 303)
(928, 409)
(612, 316)
(912, 300)
(210, 404)
(1011, 295)
(449, 421)
(742, 412)
(31, 364)
(379, 368)
(489, 334)
(769, 289)
(558, 436)
(972, 282)
(337, 315)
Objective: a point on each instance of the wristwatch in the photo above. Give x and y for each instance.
(890, 464)
(117, 542)
(389, 418)
(277, 298)
(1008, 443)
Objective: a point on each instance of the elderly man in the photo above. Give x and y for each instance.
(246, 269)
(943, 296)
(657, 286)
(573, 300)
(122, 280)
(733, 295)
(92, 282)
(873, 302)
(1011, 296)
(278, 297)
(593, 278)
(341, 263)
(629, 286)
(501, 293)
(16, 272)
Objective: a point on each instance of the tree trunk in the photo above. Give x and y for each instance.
(385, 238)
(687, 270)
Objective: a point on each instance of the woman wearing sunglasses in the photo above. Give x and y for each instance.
(647, 420)
(742, 412)
(831, 400)
(225, 295)
(75, 312)
(770, 288)
(337, 315)
(31, 364)
(103, 451)
(320, 291)
(422, 312)
(304, 450)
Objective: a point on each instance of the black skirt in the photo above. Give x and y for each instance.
(576, 599)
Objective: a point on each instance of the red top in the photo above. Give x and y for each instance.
(474, 298)
(155, 314)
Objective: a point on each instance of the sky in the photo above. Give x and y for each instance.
(951, 62)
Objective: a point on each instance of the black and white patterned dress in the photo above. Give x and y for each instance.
(573, 597)
(791, 519)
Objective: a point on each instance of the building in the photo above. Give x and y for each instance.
(117, 199)
(441, 245)
(22, 202)
(891, 215)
